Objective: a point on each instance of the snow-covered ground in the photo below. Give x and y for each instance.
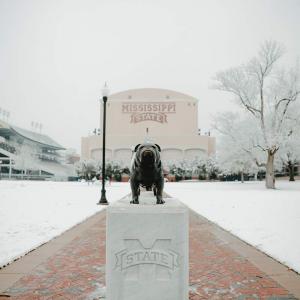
(32, 213)
(266, 219)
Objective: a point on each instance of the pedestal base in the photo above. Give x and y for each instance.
(147, 250)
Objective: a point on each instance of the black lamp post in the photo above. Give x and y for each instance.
(105, 92)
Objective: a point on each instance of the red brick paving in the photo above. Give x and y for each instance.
(77, 271)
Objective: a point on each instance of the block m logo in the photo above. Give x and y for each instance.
(157, 261)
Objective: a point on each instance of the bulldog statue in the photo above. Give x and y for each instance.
(146, 171)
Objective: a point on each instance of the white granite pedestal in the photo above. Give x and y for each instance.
(147, 250)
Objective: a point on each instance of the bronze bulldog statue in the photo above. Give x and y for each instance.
(146, 171)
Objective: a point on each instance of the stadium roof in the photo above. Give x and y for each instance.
(44, 140)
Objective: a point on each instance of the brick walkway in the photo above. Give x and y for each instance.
(77, 269)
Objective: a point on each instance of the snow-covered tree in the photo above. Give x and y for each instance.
(233, 159)
(239, 135)
(267, 94)
(237, 150)
(113, 169)
(199, 167)
(203, 168)
(86, 168)
(26, 158)
(211, 166)
(175, 168)
(289, 151)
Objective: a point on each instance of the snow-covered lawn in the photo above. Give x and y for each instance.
(266, 219)
(32, 213)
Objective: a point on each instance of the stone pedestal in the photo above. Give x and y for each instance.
(147, 250)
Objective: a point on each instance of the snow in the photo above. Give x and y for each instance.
(266, 219)
(32, 213)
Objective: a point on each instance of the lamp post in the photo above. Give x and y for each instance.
(105, 92)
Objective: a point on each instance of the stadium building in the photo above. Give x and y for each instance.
(165, 117)
(31, 155)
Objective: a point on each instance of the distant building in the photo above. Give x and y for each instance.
(71, 157)
(29, 154)
(168, 118)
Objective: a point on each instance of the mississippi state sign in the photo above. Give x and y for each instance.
(148, 111)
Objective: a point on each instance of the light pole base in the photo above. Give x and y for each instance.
(103, 200)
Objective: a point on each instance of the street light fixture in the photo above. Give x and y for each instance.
(105, 92)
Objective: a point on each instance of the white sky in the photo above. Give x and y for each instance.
(55, 55)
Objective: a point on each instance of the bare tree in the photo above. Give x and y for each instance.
(267, 94)
(26, 159)
(234, 159)
(238, 143)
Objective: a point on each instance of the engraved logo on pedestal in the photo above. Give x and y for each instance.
(136, 255)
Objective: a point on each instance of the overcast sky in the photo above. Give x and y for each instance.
(55, 55)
